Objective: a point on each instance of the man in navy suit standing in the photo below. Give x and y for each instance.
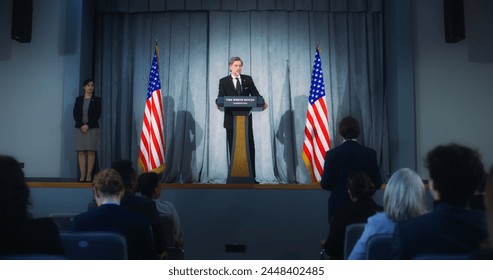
(237, 84)
(452, 228)
(342, 160)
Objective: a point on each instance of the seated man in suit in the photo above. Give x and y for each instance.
(110, 216)
(148, 186)
(140, 205)
(452, 228)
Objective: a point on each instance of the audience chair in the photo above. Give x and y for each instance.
(63, 220)
(94, 245)
(353, 233)
(175, 252)
(378, 247)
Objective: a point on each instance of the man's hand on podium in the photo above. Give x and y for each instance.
(265, 106)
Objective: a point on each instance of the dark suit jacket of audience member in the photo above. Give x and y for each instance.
(357, 212)
(33, 236)
(339, 163)
(448, 229)
(148, 209)
(113, 218)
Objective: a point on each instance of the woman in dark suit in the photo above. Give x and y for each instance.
(87, 111)
(20, 234)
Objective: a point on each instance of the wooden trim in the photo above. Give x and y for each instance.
(34, 184)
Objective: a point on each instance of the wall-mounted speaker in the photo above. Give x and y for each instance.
(22, 19)
(453, 15)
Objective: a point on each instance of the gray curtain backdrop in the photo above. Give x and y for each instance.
(276, 40)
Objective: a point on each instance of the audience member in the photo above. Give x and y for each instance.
(19, 232)
(140, 205)
(109, 216)
(452, 228)
(148, 186)
(342, 160)
(403, 199)
(485, 252)
(477, 201)
(360, 190)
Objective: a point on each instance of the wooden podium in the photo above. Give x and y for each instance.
(240, 168)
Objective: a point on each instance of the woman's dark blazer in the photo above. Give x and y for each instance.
(94, 112)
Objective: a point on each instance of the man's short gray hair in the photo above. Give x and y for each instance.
(233, 59)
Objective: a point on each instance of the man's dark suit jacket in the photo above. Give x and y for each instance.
(447, 230)
(93, 114)
(148, 209)
(339, 163)
(113, 218)
(227, 88)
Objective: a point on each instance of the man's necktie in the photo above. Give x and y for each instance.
(238, 86)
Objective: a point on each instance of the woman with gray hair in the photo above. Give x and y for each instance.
(403, 199)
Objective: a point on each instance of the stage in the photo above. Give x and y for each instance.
(71, 183)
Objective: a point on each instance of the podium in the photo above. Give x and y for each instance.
(240, 169)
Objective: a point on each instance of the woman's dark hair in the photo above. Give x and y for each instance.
(86, 81)
(360, 185)
(349, 128)
(147, 183)
(14, 200)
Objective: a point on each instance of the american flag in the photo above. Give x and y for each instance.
(317, 140)
(151, 155)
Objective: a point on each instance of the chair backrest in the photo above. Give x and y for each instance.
(353, 233)
(63, 220)
(378, 247)
(94, 245)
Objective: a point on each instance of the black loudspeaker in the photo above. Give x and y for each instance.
(22, 20)
(453, 15)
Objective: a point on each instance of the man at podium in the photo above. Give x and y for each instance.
(237, 84)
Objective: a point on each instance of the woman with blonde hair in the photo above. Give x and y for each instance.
(403, 199)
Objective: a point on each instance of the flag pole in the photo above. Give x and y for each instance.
(157, 53)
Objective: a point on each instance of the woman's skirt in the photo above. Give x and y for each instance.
(88, 141)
